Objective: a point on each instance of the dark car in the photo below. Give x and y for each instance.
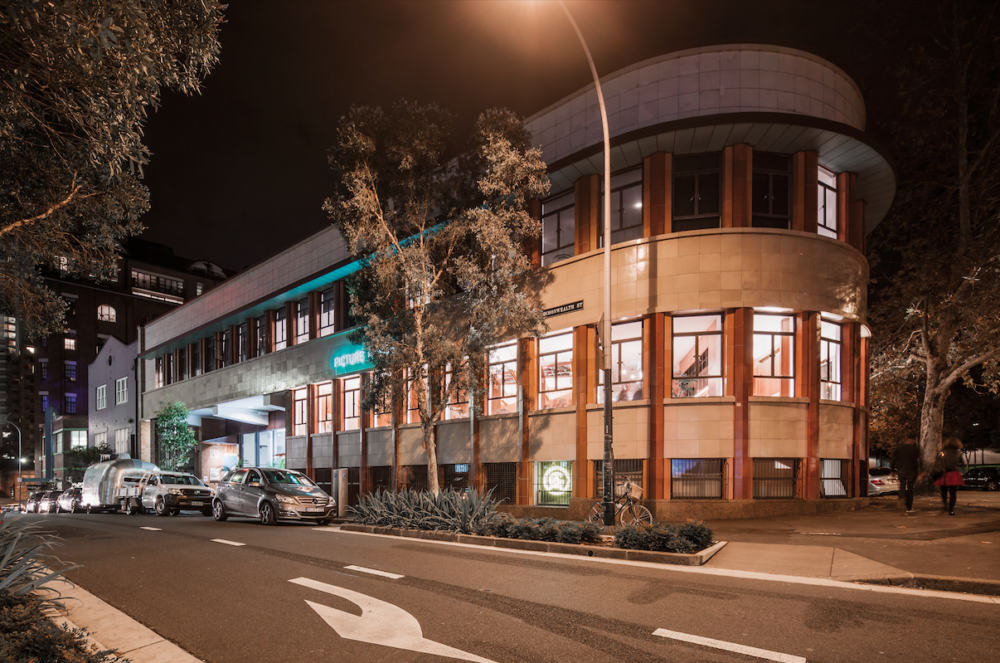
(986, 478)
(31, 506)
(70, 500)
(49, 501)
(271, 494)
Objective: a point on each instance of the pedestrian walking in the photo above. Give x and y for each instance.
(951, 459)
(905, 459)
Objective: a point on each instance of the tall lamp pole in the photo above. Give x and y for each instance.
(19, 462)
(609, 503)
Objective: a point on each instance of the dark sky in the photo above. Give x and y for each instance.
(240, 171)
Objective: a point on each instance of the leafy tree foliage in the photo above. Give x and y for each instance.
(174, 436)
(936, 266)
(77, 79)
(442, 238)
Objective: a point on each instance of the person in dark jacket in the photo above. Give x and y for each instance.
(904, 463)
(949, 482)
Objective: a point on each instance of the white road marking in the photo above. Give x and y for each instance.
(380, 623)
(730, 646)
(725, 573)
(228, 543)
(375, 572)
(152, 529)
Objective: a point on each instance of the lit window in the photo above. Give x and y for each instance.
(555, 371)
(773, 355)
(558, 229)
(827, 203)
(352, 403)
(697, 356)
(458, 400)
(106, 313)
(301, 411)
(121, 391)
(626, 364)
(696, 192)
(771, 191)
(502, 395)
(69, 343)
(102, 397)
(324, 408)
(70, 371)
(626, 208)
(302, 321)
(326, 312)
(279, 329)
(829, 360)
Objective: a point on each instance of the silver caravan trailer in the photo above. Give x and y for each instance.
(103, 481)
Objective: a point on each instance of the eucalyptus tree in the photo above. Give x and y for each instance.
(174, 436)
(77, 81)
(442, 233)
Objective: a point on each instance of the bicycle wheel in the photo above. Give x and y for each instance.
(635, 514)
(597, 513)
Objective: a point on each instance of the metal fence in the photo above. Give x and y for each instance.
(775, 478)
(501, 478)
(698, 478)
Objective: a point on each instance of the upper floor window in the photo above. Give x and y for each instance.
(829, 360)
(70, 403)
(324, 407)
(555, 370)
(773, 355)
(696, 192)
(182, 372)
(69, 343)
(502, 389)
(102, 397)
(352, 403)
(279, 329)
(70, 371)
(383, 412)
(210, 356)
(300, 411)
(121, 391)
(195, 359)
(326, 312)
(458, 399)
(827, 202)
(157, 283)
(243, 350)
(626, 208)
(226, 347)
(626, 364)
(261, 332)
(106, 313)
(771, 191)
(43, 365)
(697, 356)
(412, 400)
(159, 375)
(302, 321)
(558, 229)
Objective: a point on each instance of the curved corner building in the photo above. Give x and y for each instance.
(742, 189)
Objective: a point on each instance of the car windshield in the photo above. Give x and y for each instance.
(286, 477)
(180, 480)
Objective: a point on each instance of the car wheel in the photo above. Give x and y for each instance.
(160, 507)
(992, 485)
(219, 511)
(267, 514)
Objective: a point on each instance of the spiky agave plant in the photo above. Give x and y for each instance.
(25, 563)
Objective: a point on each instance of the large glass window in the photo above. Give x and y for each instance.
(302, 321)
(458, 400)
(324, 407)
(279, 329)
(697, 356)
(626, 208)
(558, 229)
(696, 192)
(827, 203)
(301, 411)
(555, 370)
(502, 390)
(352, 403)
(626, 364)
(829, 360)
(106, 313)
(771, 191)
(326, 312)
(773, 355)
(553, 482)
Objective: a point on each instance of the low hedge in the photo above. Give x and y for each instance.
(690, 537)
(542, 529)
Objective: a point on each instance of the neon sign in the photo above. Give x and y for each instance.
(557, 479)
(353, 360)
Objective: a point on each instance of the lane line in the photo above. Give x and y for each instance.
(152, 529)
(375, 572)
(730, 646)
(227, 543)
(712, 571)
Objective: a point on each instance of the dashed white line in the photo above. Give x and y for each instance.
(375, 572)
(152, 529)
(227, 543)
(730, 646)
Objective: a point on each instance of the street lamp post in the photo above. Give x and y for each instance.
(609, 504)
(19, 461)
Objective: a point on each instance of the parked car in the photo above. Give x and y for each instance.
(31, 506)
(271, 494)
(881, 481)
(70, 500)
(167, 493)
(986, 478)
(49, 501)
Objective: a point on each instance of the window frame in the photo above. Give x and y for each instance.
(101, 397)
(789, 378)
(625, 233)
(324, 407)
(675, 390)
(327, 312)
(280, 330)
(563, 212)
(121, 391)
(350, 399)
(496, 404)
(770, 218)
(699, 220)
(69, 402)
(831, 389)
(616, 367)
(107, 313)
(827, 194)
(69, 371)
(564, 392)
(302, 321)
(300, 412)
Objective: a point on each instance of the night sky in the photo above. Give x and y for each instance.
(240, 172)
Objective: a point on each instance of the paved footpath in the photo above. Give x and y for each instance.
(878, 544)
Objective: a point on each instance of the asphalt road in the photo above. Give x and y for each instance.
(228, 603)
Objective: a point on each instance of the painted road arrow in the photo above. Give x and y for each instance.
(380, 623)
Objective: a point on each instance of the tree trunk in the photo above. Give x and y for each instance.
(430, 446)
(931, 425)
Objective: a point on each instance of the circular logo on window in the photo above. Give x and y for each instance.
(557, 479)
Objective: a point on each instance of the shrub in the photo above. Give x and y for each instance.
(691, 536)
(572, 532)
(697, 532)
(449, 510)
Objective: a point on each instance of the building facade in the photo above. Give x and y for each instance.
(743, 187)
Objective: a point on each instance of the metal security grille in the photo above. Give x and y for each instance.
(456, 477)
(324, 479)
(353, 485)
(381, 478)
(775, 478)
(501, 478)
(630, 468)
(834, 475)
(413, 477)
(697, 478)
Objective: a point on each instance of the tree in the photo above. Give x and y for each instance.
(174, 436)
(442, 239)
(936, 269)
(77, 79)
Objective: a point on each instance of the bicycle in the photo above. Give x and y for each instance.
(627, 511)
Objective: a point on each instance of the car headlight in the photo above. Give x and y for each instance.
(175, 491)
(331, 502)
(286, 499)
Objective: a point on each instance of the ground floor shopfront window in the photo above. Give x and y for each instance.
(553, 482)
(698, 478)
(625, 468)
(834, 475)
(775, 478)
(501, 480)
